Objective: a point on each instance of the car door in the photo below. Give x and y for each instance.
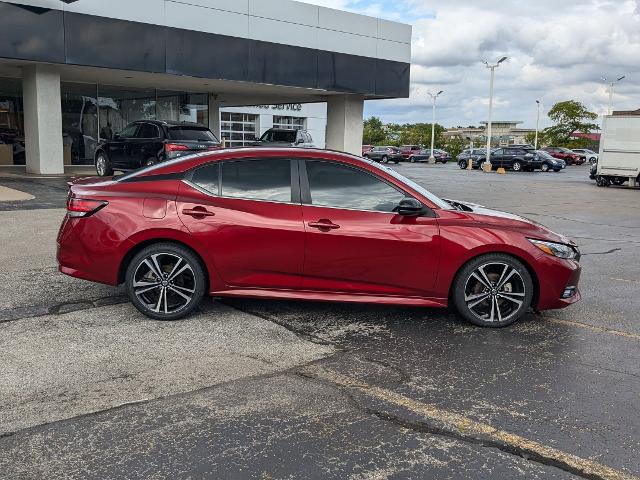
(355, 243)
(498, 158)
(118, 147)
(249, 219)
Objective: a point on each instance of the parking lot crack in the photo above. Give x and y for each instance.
(437, 421)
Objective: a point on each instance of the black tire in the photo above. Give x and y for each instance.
(444, 161)
(545, 167)
(603, 181)
(618, 180)
(518, 287)
(190, 284)
(103, 165)
(412, 160)
(150, 161)
(516, 166)
(462, 164)
(557, 170)
(367, 156)
(396, 162)
(384, 159)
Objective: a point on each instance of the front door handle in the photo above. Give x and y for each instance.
(324, 225)
(198, 212)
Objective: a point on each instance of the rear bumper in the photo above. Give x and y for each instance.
(89, 249)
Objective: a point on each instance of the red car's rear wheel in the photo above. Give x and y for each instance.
(165, 281)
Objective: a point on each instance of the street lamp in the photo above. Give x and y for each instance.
(537, 125)
(433, 96)
(611, 84)
(487, 162)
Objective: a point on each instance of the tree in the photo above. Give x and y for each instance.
(569, 117)
(420, 134)
(374, 133)
(530, 138)
(455, 146)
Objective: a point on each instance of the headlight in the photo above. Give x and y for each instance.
(559, 250)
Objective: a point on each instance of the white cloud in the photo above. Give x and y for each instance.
(558, 50)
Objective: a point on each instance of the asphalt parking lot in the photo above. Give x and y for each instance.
(280, 390)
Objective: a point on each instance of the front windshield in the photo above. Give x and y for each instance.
(544, 154)
(418, 188)
(565, 150)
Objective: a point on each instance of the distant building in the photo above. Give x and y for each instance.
(617, 113)
(469, 134)
(507, 132)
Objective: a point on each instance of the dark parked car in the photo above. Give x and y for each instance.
(423, 156)
(282, 137)
(477, 156)
(307, 224)
(385, 154)
(514, 158)
(545, 162)
(570, 158)
(147, 142)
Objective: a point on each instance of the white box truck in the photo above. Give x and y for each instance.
(619, 159)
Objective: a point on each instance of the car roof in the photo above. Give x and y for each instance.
(171, 123)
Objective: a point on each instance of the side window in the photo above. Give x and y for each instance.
(130, 131)
(148, 130)
(261, 179)
(208, 178)
(340, 186)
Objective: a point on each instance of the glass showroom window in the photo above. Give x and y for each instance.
(120, 106)
(79, 122)
(183, 107)
(291, 123)
(11, 122)
(238, 129)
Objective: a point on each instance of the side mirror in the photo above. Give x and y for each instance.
(410, 207)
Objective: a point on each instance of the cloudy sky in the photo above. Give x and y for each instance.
(558, 50)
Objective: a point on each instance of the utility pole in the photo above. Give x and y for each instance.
(433, 96)
(611, 84)
(537, 125)
(487, 162)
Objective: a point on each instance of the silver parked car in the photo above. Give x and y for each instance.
(592, 157)
(280, 137)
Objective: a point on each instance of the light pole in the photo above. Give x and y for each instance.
(434, 97)
(537, 125)
(611, 84)
(487, 162)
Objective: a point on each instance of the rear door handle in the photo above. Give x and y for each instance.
(198, 212)
(324, 225)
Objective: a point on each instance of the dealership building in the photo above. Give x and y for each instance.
(73, 72)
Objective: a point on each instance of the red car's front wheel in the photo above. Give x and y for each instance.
(493, 290)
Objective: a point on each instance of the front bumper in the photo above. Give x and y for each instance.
(555, 277)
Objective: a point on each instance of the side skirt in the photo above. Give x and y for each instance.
(332, 297)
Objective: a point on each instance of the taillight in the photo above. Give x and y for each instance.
(80, 207)
(175, 147)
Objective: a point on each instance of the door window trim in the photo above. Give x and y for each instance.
(295, 180)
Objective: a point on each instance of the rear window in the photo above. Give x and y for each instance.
(276, 136)
(197, 134)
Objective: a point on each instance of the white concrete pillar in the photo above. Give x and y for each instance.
(214, 116)
(345, 123)
(42, 120)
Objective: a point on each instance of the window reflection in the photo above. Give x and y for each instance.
(79, 122)
(263, 179)
(338, 186)
(12, 149)
(120, 106)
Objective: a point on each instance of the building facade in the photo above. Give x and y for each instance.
(507, 132)
(74, 73)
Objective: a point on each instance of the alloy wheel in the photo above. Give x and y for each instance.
(517, 166)
(101, 165)
(545, 167)
(165, 283)
(495, 292)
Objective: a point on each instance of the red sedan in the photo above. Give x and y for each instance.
(310, 225)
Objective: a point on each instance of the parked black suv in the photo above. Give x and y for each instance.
(147, 142)
(514, 158)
